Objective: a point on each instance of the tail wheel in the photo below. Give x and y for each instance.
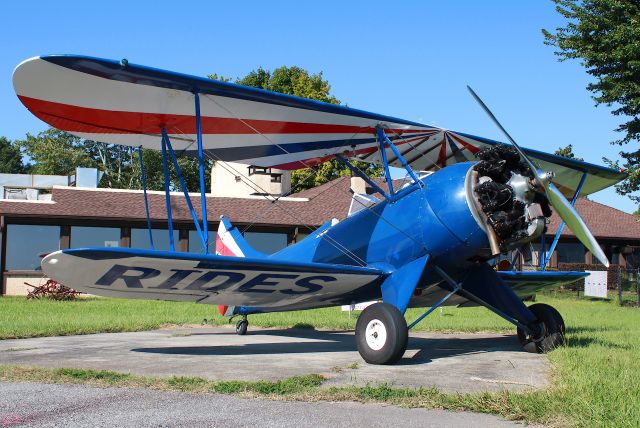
(553, 336)
(241, 327)
(381, 334)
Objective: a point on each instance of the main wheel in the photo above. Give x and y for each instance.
(241, 327)
(381, 334)
(553, 336)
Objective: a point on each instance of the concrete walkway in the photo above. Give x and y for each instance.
(452, 362)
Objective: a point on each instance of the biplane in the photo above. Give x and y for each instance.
(431, 241)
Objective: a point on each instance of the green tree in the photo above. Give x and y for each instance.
(567, 152)
(605, 35)
(59, 153)
(10, 158)
(297, 81)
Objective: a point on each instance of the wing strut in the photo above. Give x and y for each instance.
(382, 139)
(167, 195)
(203, 199)
(391, 195)
(546, 256)
(167, 150)
(167, 142)
(146, 199)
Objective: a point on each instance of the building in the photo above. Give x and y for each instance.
(63, 215)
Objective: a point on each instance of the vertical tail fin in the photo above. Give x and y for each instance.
(230, 242)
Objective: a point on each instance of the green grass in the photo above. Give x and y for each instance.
(104, 378)
(21, 318)
(596, 378)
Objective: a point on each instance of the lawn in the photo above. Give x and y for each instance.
(596, 378)
(20, 318)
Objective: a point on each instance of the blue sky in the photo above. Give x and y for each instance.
(407, 59)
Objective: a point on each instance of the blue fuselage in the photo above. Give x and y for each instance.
(434, 219)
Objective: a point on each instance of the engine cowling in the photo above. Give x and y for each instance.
(487, 208)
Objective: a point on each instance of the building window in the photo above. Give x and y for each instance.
(195, 245)
(258, 170)
(276, 178)
(140, 239)
(570, 252)
(27, 244)
(94, 236)
(632, 256)
(266, 242)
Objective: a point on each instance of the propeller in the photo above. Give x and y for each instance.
(556, 199)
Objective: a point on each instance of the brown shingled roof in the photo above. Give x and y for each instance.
(603, 221)
(311, 207)
(129, 205)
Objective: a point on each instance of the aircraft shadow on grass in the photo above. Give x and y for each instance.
(429, 349)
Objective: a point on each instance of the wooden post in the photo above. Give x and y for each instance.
(619, 286)
(3, 254)
(65, 237)
(183, 240)
(125, 237)
(637, 282)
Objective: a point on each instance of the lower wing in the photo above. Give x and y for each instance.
(160, 275)
(528, 283)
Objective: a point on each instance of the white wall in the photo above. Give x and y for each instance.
(230, 179)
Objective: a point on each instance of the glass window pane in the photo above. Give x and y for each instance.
(27, 244)
(266, 242)
(140, 239)
(195, 245)
(94, 236)
(570, 252)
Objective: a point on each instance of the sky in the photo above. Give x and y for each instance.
(408, 59)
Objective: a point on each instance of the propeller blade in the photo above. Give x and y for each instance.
(565, 210)
(571, 217)
(533, 167)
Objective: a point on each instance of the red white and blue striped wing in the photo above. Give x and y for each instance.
(104, 100)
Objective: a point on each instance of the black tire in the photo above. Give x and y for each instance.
(554, 330)
(241, 327)
(388, 335)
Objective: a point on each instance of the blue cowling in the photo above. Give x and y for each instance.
(448, 201)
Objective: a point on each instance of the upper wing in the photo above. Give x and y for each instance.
(446, 147)
(104, 100)
(234, 281)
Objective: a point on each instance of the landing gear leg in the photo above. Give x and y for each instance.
(242, 325)
(553, 330)
(381, 334)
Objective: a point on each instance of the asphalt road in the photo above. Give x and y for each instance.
(43, 405)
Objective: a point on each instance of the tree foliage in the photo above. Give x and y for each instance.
(59, 153)
(567, 152)
(10, 158)
(297, 81)
(605, 36)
